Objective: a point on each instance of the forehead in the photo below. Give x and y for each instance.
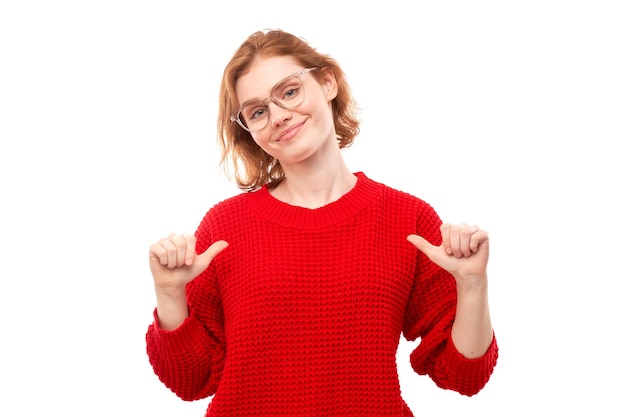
(262, 75)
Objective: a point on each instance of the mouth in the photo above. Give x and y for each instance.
(290, 133)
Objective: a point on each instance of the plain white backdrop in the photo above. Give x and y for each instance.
(509, 115)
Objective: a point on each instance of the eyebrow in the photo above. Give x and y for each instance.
(258, 98)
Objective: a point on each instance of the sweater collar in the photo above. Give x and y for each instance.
(359, 197)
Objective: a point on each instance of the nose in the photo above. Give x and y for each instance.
(278, 114)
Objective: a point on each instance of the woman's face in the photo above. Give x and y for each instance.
(295, 134)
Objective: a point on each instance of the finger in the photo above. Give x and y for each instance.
(479, 238)
(215, 249)
(446, 240)
(465, 236)
(456, 236)
(158, 252)
(204, 260)
(169, 250)
(455, 241)
(422, 244)
(178, 255)
(190, 249)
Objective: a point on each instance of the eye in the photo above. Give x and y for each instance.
(288, 90)
(258, 113)
(291, 93)
(253, 111)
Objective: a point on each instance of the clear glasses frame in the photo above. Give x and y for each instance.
(237, 116)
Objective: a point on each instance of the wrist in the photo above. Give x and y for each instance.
(471, 283)
(170, 291)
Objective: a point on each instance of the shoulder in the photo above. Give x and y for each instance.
(233, 203)
(230, 208)
(390, 195)
(403, 206)
(229, 212)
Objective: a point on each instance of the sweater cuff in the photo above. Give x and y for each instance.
(472, 373)
(179, 337)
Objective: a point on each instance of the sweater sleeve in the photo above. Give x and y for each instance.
(429, 316)
(189, 360)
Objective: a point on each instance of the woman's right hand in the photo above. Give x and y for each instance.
(174, 262)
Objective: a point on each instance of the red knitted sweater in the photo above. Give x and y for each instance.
(301, 315)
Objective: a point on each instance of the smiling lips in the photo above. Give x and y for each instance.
(289, 133)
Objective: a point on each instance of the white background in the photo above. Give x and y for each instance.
(509, 115)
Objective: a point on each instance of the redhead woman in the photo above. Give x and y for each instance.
(291, 297)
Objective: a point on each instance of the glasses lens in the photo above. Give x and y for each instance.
(287, 94)
(254, 115)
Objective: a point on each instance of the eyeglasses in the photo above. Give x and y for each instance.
(287, 93)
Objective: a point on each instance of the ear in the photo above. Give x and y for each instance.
(329, 84)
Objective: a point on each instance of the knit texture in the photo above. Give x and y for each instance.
(302, 314)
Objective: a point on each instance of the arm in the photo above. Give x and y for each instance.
(450, 308)
(185, 341)
(464, 253)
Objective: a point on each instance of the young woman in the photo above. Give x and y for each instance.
(291, 297)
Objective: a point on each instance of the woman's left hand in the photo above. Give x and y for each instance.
(464, 251)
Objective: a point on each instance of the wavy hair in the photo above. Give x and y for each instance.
(251, 166)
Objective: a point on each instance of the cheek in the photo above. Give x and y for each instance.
(321, 108)
(325, 115)
(262, 139)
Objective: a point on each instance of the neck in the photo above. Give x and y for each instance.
(315, 186)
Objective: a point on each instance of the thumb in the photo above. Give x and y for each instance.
(422, 244)
(203, 260)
